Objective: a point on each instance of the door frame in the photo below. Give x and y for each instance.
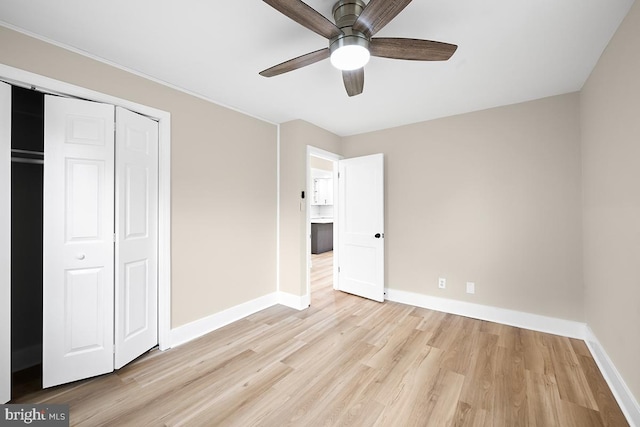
(333, 157)
(5, 251)
(19, 77)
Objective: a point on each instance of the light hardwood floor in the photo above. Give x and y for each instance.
(350, 361)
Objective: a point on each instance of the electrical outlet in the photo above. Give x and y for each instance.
(471, 288)
(442, 282)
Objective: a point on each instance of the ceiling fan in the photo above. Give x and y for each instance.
(350, 38)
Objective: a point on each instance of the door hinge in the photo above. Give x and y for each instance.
(114, 237)
(338, 269)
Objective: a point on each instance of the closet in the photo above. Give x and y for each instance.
(84, 235)
(27, 154)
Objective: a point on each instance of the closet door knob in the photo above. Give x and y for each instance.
(80, 256)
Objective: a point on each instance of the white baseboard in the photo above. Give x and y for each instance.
(26, 357)
(294, 301)
(193, 330)
(621, 392)
(536, 322)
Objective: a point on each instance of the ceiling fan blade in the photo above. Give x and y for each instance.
(412, 49)
(353, 81)
(306, 16)
(295, 63)
(377, 14)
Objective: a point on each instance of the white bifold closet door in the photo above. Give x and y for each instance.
(78, 245)
(136, 308)
(93, 212)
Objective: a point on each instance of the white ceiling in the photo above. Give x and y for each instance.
(509, 51)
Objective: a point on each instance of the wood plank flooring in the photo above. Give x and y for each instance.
(350, 361)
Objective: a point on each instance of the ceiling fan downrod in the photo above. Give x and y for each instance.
(345, 12)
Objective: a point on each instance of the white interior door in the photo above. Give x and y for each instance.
(5, 243)
(361, 226)
(136, 315)
(78, 240)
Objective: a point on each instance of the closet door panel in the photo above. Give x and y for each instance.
(78, 240)
(136, 318)
(5, 243)
(84, 305)
(83, 187)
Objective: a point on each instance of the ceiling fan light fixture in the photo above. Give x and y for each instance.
(350, 52)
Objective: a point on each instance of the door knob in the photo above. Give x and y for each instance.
(377, 236)
(80, 256)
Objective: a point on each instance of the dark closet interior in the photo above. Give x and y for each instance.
(27, 166)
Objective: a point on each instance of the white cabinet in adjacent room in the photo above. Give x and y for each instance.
(323, 191)
(322, 187)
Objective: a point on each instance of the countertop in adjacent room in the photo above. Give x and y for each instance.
(321, 220)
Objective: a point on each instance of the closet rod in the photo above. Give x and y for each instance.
(15, 150)
(24, 160)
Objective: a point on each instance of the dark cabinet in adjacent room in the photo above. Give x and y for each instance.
(321, 237)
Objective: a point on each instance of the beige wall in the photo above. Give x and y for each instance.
(610, 108)
(322, 164)
(294, 138)
(491, 197)
(223, 172)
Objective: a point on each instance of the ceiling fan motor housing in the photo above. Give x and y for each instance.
(345, 13)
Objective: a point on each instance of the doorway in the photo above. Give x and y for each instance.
(358, 223)
(322, 204)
